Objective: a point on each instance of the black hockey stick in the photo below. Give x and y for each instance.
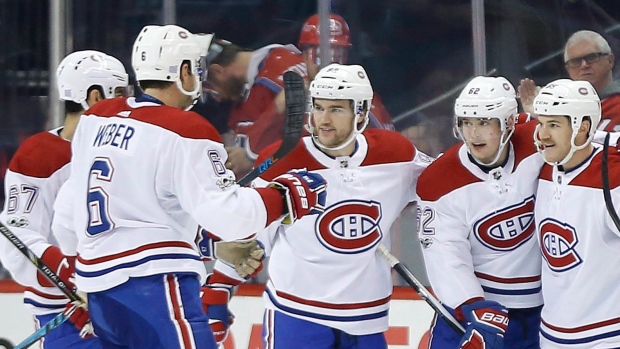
(55, 279)
(402, 270)
(295, 97)
(606, 190)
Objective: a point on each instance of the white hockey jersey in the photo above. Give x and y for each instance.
(324, 268)
(142, 175)
(36, 172)
(477, 229)
(581, 249)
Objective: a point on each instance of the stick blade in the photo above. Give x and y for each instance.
(295, 100)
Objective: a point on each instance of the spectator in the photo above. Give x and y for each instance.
(587, 57)
(340, 44)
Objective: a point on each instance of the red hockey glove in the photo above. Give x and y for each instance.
(215, 296)
(78, 315)
(63, 266)
(304, 193)
(487, 323)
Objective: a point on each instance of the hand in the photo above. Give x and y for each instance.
(487, 323)
(238, 161)
(245, 256)
(78, 314)
(215, 295)
(63, 266)
(527, 92)
(304, 193)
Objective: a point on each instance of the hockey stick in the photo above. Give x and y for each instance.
(606, 190)
(55, 279)
(47, 328)
(295, 99)
(421, 290)
(38, 262)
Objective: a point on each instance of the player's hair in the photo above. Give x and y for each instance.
(228, 54)
(73, 107)
(590, 36)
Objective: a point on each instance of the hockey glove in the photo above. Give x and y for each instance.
(304, 193)
(487, 322)
(215, 296)
(78, 314)
(63, 266)
(245, 257)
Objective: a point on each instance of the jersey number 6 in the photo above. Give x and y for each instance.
(99, 220)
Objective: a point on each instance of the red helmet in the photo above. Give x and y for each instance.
(338, 32)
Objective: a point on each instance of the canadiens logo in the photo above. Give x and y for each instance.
(350, 226)
(507, 229)
(558, 241)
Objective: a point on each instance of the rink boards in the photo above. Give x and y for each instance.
(410, 318)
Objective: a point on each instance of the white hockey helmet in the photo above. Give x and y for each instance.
(159, 52)
(80, 70)
(574, 99)
(350, 82)
(490, 98)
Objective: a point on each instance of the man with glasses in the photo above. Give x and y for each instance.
(587, 57)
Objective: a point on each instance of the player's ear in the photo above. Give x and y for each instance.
(94, 96)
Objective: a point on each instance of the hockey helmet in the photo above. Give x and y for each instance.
(574, 99)
(487, 97)
(80, 70)
(349, 82)
(159, 52)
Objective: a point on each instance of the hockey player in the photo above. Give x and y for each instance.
(340, 44)
(36, 172)
(579, 241)
(143, 173)
(476, 223)
(253, 81)
(328, 288)
(587, 57)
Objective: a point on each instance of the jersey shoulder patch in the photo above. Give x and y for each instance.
(186, 124)
(385, 146)
(444, 175)
(41, 155)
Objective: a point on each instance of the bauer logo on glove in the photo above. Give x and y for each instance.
(304, 193)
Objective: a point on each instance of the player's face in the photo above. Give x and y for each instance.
(333, 120)
(482, 136)
(224, 85)
(555, 135)
(593, 65)
(337, 54)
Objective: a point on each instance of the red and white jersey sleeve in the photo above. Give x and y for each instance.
(144, 175)
(610, 114)
(255, 120)
(35, 174)
(581, 251)
(477, 228)
(324, 268)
